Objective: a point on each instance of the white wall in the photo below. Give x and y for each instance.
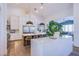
(76, 23)
(3, 32)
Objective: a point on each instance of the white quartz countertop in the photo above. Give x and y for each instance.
(31, 34)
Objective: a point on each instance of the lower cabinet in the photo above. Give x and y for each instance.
(27, 40)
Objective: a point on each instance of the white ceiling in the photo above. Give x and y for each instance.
(50, 9)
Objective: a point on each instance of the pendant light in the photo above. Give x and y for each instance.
(41, 6)
(35, 9)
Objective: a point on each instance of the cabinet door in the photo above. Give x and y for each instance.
(14, 22)
(16, 25)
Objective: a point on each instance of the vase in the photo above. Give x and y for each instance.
(55, 36)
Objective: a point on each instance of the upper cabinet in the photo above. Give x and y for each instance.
(14, 22)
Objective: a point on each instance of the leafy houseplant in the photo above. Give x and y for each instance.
(53, 27)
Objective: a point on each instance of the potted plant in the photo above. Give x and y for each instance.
(53, 28)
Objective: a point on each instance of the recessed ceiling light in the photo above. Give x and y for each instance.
(36, 11)
(41, 7)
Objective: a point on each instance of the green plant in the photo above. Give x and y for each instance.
(53, 27)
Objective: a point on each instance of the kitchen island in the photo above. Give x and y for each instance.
(51, 47)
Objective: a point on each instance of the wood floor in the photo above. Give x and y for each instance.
(16, 48)
(75, 51)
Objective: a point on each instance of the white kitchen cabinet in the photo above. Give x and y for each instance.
(14, 22)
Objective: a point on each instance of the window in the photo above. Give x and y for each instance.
(68, 28)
